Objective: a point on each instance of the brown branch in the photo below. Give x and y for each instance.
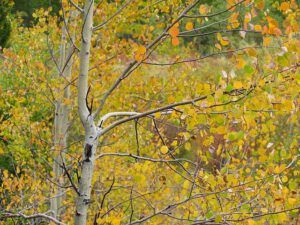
(200, 58)
(76, 6)
(143, 158)
(107, 192)
(218, 31)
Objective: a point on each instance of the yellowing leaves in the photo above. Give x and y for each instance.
(218, 46)
(258, 28)
(251, 222)
(292, 201)
(252, 52)
(189, 26)
(284, 6)
(237, 84)
(248, 17)
(188, 146)
(202, 9)
(279, 169)
(140, 53)
(260, 4)
(164, 149)
(267, 41)
(240, 62)
(233, 20)
(284, 179)
(223, 40)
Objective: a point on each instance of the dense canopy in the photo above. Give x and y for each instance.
(149, 112)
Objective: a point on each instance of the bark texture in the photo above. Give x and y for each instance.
(91, 141)
(61, 122)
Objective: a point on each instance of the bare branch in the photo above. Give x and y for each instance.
(113, 16)
(76, 6)
(200, 58)
(107, 192)
(144, 158)
(114, 114)
(218, 31)
(6, 215)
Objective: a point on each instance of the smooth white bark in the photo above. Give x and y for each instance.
(61, 123)
(91, 140)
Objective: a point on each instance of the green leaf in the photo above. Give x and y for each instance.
(209, 215)
(229, 88)
(249, 70)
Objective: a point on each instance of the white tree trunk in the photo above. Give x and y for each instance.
(87, 119)
(61, 123)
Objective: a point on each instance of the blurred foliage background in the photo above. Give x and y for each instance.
(11, 9)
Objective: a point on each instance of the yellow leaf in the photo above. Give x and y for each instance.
(284, 179)
(164, 149)
(277, 170)
(189, 26)
(292, 201)
(264, 210)
(140, 53)
(237, 84)
(257, 28)
(138, 57)
(5, 174)
(202, 9)
(252, 52)
(251, 222)
(188, 146)
(151, 28)
(219, 36)
(248, 17)
(218, 46)
(240, 62)
(267, 41)
(284, 6)
(224, 41)
(218, 219)
(260, 5)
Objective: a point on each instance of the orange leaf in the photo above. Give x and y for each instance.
(267, 41)
(141, 49)
(284, 6)
(175, 41)
(174, 31)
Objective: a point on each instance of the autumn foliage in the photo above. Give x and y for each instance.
(193, 108)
